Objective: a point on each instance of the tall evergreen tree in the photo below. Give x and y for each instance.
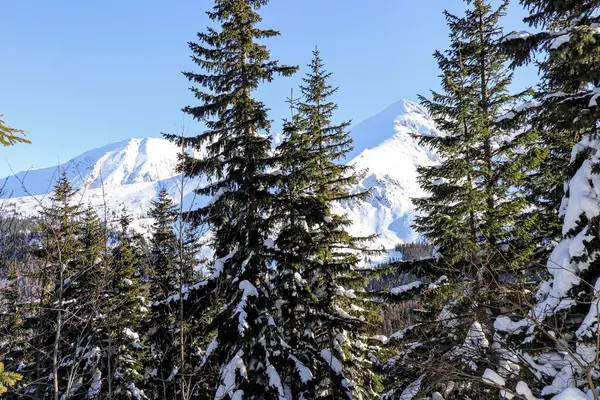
(124, 349)
(164, 324)
(563, 323)
(323, 292)
(71, 254)
(246, 352)
(470, 217)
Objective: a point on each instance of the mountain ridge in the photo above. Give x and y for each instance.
(132, 171)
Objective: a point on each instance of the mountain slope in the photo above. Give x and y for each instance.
(132, 172)
(127, 174)
(390, 170)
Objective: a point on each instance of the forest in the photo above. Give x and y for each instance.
(498, 299)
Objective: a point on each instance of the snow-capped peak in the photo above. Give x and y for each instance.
(121, 163)
(390, 168)
(131, 173)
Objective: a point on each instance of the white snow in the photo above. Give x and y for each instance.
(275, 379)
(412, 390)
(476, 337)
(389, 155)
(209, 350)
(248, 290)
(589, 326)
(341, 291)
(94, 388)
(399, 335)
(491, 376)
(505, 324)
(523, 389)
(571, 394)
(559, 41)
(304, 372)
(518, 35)
(584, 198)
(130, 172)
(227, 384)
(405, 288)
(332, 361)
(131, 334)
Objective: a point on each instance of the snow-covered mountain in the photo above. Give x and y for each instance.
(129, 173)
(389, 159)
(132, 172)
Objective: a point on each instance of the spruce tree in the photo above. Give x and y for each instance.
(164, 246)
(69, 349)
(469, 214)
(323, 292)
(163, 323)
(470, 217)
(125, 307)
(562, 325)
(246, 353)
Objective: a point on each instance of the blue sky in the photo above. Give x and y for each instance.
(80, 74)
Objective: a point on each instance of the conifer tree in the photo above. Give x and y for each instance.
(246, 353)
(472, 202)
(163, 323)
(469, 217)
(563, 321)
(70, 253)
(164, 246)
(323, 310)
(124, 309)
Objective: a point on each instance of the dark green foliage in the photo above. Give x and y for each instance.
(124, 307)
(316, 257)
(469, 217)
(70, 253)
(164, 247)
(172, 263)
(233, 64)
(563, 116)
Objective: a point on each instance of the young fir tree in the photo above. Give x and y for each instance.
(469, 217)
(559, 336)
(246, 353)
(164, 246)
(71, 257)
(124, 308)
(164, 321)
(324, 307)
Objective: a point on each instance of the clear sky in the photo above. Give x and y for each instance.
(80, 74)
